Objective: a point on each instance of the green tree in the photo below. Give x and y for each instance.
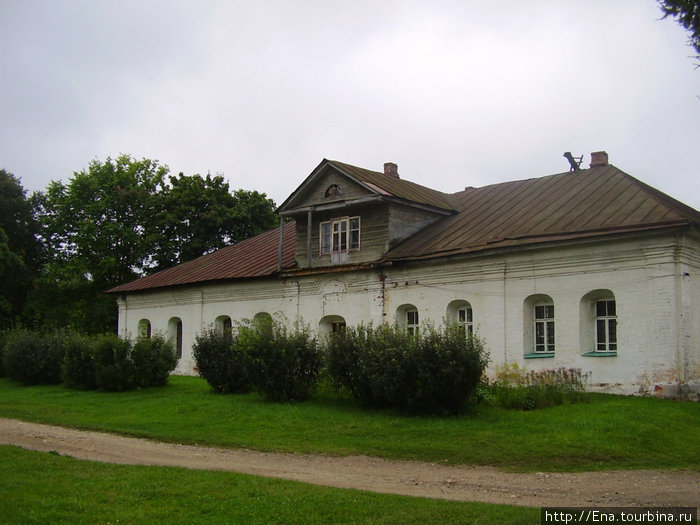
(123, 218)
(201, 215)
(687, 13)
(20, 251)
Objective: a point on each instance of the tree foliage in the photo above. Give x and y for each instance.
(200, 215)
(20, 252)
(123, 218)
(687, 13)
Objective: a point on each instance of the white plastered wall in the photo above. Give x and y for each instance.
(654, 283)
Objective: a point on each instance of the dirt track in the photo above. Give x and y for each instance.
(618, 488)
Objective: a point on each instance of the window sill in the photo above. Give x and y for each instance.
(600, 354)
(536, 355)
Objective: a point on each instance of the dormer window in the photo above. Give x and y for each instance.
(339, 235)
(333, 191)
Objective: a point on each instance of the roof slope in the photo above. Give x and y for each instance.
(395, 186)
(601, 200)
(254, 257)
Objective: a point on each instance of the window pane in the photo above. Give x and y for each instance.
(539, 312)
(325, 237)
(462, 317)
(550, 334)
(354, 239)
(600, 331)
(611, 308)
(539, 334)
(612, 331)
(600, 308)
(549, 311)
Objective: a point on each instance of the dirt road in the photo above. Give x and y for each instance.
(465, 483)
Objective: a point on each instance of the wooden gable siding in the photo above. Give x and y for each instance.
(374, 235)
(404, 221)
(315, 194)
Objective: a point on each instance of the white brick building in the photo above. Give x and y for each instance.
(589, 269)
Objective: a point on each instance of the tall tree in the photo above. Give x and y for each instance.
(688, 14)
(19, 248)
(99, 229)
(201, 215)
(123, 218)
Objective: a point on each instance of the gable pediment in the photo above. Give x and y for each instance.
(327, 187)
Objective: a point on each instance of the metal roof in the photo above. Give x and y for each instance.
(581, 204)
(395, 186)
(597, 201)
(254, 257)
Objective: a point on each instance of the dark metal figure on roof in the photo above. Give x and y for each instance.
(575, 162)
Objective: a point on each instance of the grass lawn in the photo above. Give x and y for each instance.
(607, 432)
(73, 491)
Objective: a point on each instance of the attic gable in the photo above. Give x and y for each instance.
(335, 184)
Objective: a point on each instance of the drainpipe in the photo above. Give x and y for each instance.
(308, 238)
(279, 248)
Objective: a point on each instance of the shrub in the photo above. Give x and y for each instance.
(33, 358)
(114, 369)
(153, 360)
(516, 388)
(285, 364)
(224, 367)
(436, 371)
(78, 367)
(4, 334)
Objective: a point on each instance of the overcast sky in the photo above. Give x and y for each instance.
(457, 93)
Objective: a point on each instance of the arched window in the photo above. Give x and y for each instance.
(538, 329)
(144, 329)
(407, 318)
(598, 323)
(175, 335)
(331, 324)
(262, 321)
(460, 313)
(223, 324)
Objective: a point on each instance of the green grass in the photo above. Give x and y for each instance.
(72, 491)
(607, 432)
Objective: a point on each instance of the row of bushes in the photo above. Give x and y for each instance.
(282, 364)
(105, 362)
(436, 371)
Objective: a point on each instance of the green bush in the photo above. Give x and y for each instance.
(4, 334)
(153, 361)
(436, 371)
(224, 367)
(114, 368)
(78, 367)
(285, 364)
(33, 358)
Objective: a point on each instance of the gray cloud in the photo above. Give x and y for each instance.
(457, 93)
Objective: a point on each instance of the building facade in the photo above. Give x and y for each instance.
(589, 269)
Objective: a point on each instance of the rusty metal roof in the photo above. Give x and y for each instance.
(587, 203)
(254, 257)
(591, 202)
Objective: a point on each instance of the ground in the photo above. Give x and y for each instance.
(604, 489)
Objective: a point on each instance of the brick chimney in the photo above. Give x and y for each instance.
(598, 159)
(391, 169)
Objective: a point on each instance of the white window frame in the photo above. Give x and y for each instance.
(465, 320)
(339, 235)
(544, 328)
(605, 326)
(412, 321)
